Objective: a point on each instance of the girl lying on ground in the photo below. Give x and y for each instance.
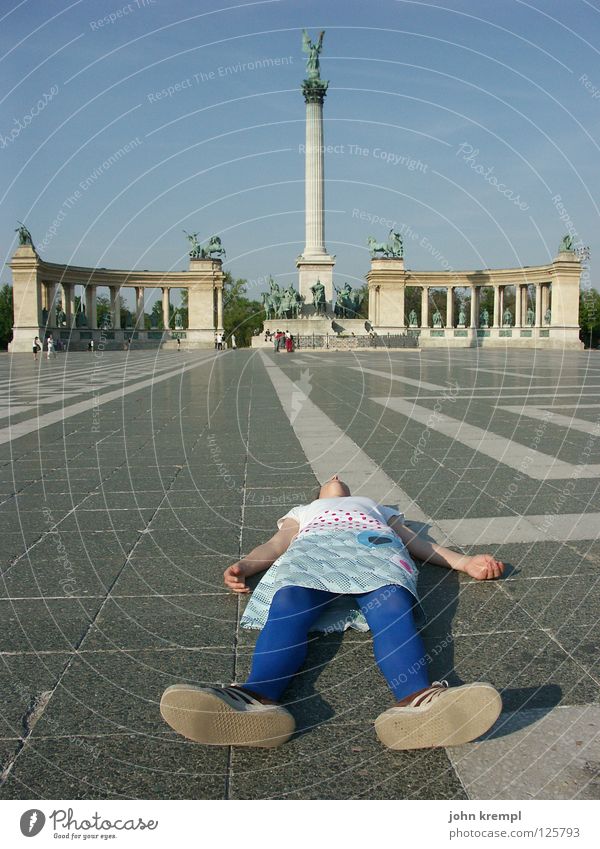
(340, 561)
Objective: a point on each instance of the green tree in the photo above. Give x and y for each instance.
(241, 315)
(6, 315)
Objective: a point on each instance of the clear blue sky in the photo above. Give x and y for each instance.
(511, 86)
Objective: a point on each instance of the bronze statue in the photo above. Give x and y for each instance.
(24, 234)
(319, 303)
(393, 249)
(567, 244)
(313, 51)
(213, 247)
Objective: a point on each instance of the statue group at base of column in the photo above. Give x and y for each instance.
(288, 303)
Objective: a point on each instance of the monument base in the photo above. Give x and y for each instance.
(311, 269)
(311, 325)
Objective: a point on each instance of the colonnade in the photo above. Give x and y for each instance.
(39, 286)
(520, 318)
(552, 320)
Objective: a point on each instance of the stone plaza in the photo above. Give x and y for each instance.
(130, 481)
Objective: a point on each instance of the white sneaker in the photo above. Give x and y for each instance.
(440, 716)
(225, 716)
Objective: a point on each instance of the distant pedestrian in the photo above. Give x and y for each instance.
(37, 347)
(49, 346)
(219, 341)
(233, 342)
(91, 346)
(289, 342)
(178, 344)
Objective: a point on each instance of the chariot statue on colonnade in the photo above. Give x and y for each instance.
(25, 237)
(392, 249)
(213, 248)
(567, 244)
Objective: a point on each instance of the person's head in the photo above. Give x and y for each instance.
(334, 488)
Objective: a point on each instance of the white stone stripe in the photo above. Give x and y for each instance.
(434, 386)
(7, 434)
(542, 413)
(400, 378)
(329, 450)
(527, 461)
(499, 394)
(550, 527)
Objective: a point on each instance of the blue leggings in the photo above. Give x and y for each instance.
(281, 646)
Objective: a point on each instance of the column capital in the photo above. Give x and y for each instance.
(314, 91)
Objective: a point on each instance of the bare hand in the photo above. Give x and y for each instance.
(235, 578)
(484, 567)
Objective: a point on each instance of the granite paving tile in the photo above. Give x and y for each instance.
(116, 767)
(164, 622)
(108, 692)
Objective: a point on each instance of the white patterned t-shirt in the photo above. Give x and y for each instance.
(349, 513)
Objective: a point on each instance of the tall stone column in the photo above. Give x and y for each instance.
(165, 306)
(69, 303)
(401, 307)
(474, 305)
(425, 306)
(314, 178)
(450, 306)
(115, 306)
(139, 308)
(219, 309)
(90, 306)
(497, 313)
(518, 305)
(314, 263)
(545, 299)
(501, 288)
(538, 304)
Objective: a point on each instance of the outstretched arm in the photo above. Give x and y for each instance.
(483, 567)
(260, 558)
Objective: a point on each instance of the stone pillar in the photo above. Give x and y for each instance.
(90, 307)
(27, 298)
(69, 305)
(497, 313)
(501, 292)
(425, 306)
(314, 263)
(219, 309)
(474, 306)
(372, 317)
(545, 299)
(165, 306)
(566, 283)
(450, 306)
(518, 304)
(314, 182)
(538, 304)
(401, 307)
(139, 308)
(115, 306)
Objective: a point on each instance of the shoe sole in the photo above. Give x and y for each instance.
(205, 718)
(458, 716)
